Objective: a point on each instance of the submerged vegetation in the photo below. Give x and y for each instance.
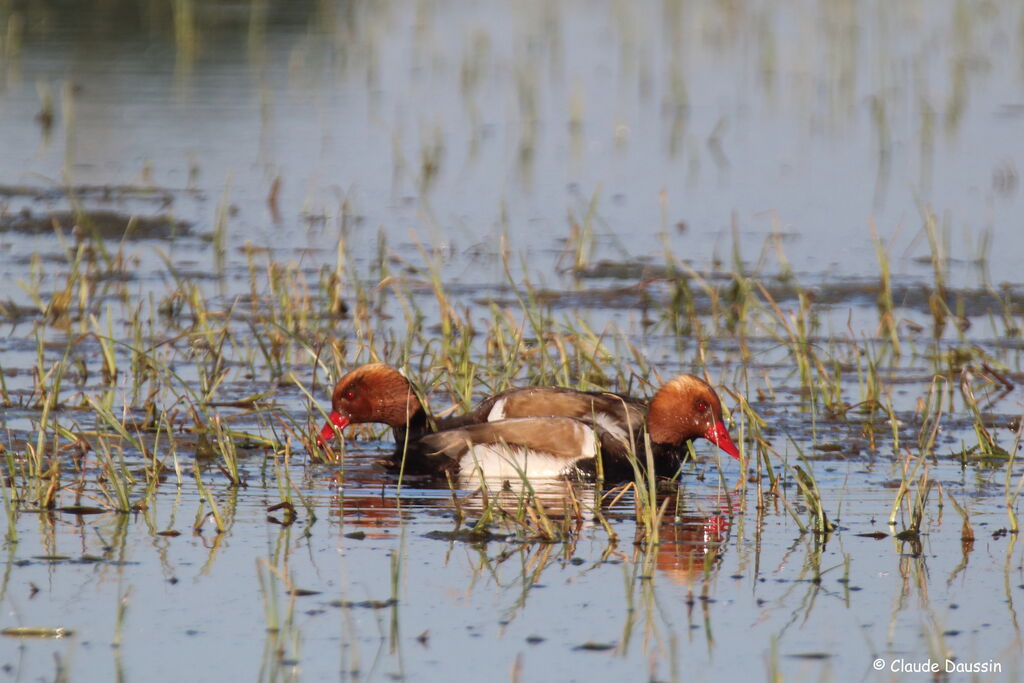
(118, 387)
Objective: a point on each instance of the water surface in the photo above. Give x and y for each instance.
(635, 169)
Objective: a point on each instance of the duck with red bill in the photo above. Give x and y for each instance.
(718, 434)
(335, 420)
(684, 409)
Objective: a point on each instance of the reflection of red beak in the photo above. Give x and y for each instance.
(715, 528)
(338, 420)
(719, 436)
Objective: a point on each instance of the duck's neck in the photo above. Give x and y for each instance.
(667, 457)
(417, 426)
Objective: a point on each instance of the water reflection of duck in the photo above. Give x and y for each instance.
(692, 544)
(370, 511)
(533, 431)
(691, 541)
(557, 498)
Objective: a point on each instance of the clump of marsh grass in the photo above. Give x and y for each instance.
(226, 448)
(938, 248)
(812, 496)
(117, 483)
(1010, 492)
(966, 530)
(922, 487)
(206, 496)
(986, 446)
(886, 308)
(820, 524)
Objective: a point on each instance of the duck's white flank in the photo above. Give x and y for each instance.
(503, 461)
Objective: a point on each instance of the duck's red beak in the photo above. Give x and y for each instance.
(338, 420)
(719, 436)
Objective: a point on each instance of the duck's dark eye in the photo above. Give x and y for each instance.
(348, 395)
(701, 406)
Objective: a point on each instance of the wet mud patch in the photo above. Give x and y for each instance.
(102, 223)
(473, 536)
(100, 193)
(51, 560)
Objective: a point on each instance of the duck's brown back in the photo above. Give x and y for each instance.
(618, 415)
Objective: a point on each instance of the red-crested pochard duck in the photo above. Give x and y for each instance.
(380, 393)
(534, 431)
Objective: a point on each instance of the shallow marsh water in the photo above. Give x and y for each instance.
(267, 194)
